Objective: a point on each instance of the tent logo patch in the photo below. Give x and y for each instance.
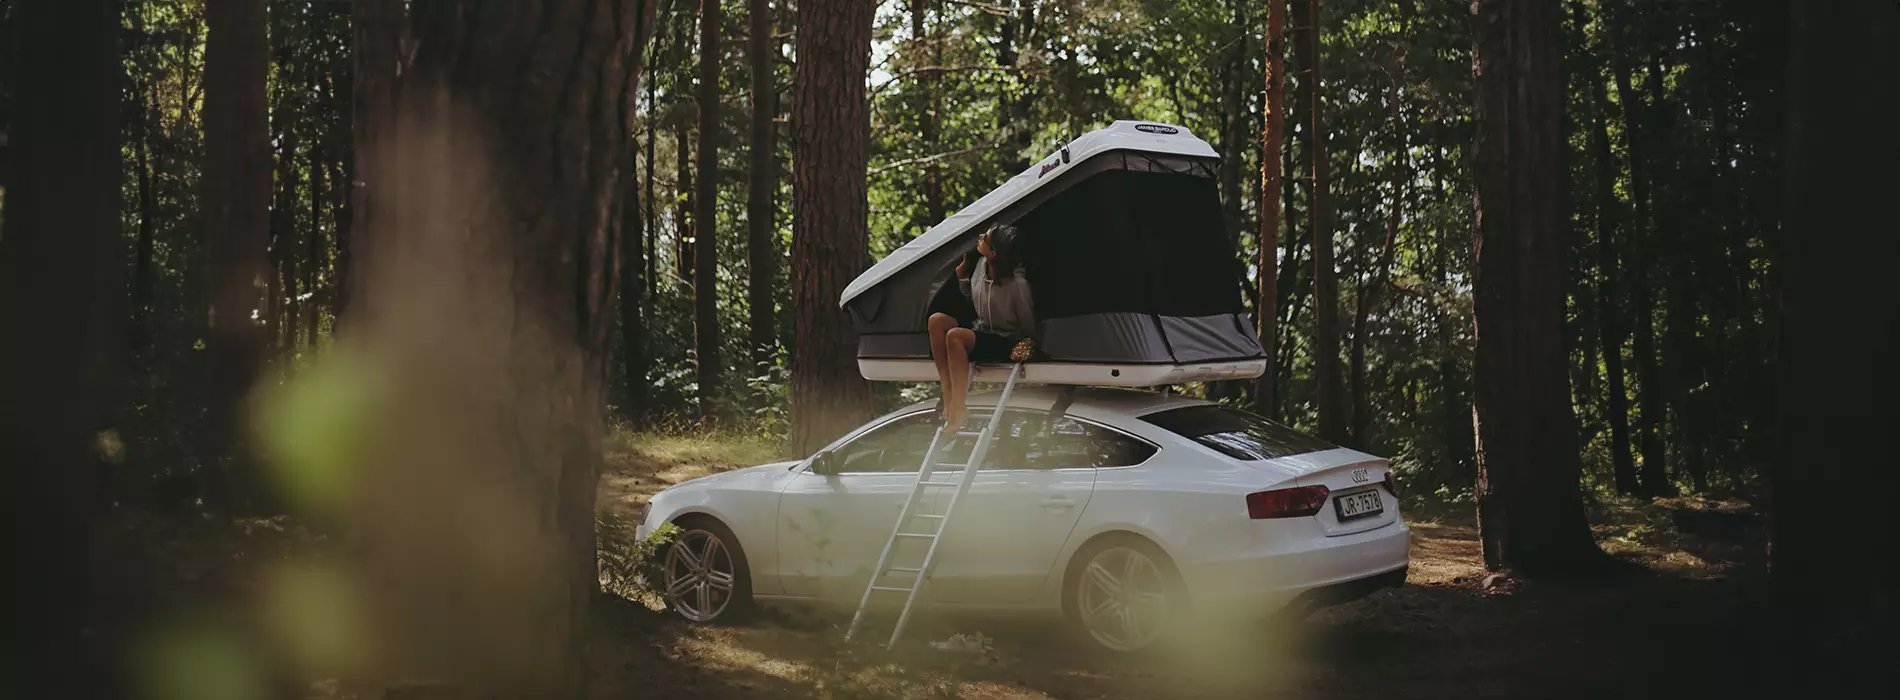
(1046, 167)
(1157, 129)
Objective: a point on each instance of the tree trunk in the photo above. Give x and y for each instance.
(378, 30)
(1651, 405)
(927, 83)
(1330, 392)
(489, 345)
(1609, 329)
(1233, 131)
(63, 303)
(1272, 140)
(142, 273)
(237, 197)
(706, 335)
(683, 258)
(313, 242)
(633, 331)
(652, 205)
(1374, 284)
(762, 192)
(1530, 512)
(831, 129)
(1838, 375)
(284, 249)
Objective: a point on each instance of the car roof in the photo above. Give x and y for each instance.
(1126, 402)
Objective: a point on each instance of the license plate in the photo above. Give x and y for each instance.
(1358, 505)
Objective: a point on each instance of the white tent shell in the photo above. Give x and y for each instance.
(1121, 347)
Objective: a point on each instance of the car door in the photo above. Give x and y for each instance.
(1037, 478)
(833, 527)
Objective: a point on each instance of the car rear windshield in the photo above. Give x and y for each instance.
(1235, 433)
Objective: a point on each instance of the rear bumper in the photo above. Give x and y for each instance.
(1304, 571)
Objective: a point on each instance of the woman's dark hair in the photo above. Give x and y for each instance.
(1002, 239)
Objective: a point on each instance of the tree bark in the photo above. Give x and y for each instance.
(633, 331)
(1610, 329)
(378, 31)
(313, 241)
(762, 191)
(487, 347)
(706, 335)
(683, 239)
(284, 248)
(830, 216)
(1233, 131)
(1330, 391)
(63, 303)
(1373, 285)
(927, 83)
(1838, 343)
(237, 197)
(144, 245)
(1272, 140)
(1530, 512)
(1651, 400)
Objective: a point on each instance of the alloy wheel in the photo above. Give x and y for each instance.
(700, 576)
(1122, 598)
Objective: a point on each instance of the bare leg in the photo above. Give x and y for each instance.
(959, 341)
(940, 325)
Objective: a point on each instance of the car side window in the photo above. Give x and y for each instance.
(1030, 440)
(896, 446)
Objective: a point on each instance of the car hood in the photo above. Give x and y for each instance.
(740, 478)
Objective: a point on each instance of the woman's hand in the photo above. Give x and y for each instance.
(963, 267)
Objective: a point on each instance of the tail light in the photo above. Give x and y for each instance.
(1391, 484)
(1296, 502)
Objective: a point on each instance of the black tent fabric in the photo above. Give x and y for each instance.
(1128, 260)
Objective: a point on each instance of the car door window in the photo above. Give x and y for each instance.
(1030, 440)
(896, 446)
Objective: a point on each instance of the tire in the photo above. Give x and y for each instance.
(705, 575)
(1119, 618)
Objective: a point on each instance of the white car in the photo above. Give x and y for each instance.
(1118, 514)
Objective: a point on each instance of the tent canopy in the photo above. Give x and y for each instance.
(1123, 242)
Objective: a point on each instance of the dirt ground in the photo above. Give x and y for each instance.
(1678, 624)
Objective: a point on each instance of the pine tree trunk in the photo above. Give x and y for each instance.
(237, 197)
(313, 242)
(649, 273)
(1530, 511)
(831, 129)
(1610, 330)
(683, 258)
(706, 335)
(144, 246)
(927, 83)
(1373, 285)
(762, 192)
(1233, 132)
(63, 305)
(1838, 343)
(1651, 400)
(285, 240)
(1330, 391)
(490, 341)
(378, 31)
(633, 261)
(1272, 141)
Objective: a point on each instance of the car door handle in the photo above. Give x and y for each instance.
(1057, 502)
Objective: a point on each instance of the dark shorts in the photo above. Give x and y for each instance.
(992, 348)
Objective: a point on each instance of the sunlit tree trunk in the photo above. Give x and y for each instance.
(1272, 140)
(831, 131)
(63, 305)
(1530, 512)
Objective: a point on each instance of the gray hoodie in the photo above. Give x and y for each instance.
(1003, 306)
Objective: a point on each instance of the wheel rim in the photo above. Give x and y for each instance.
(1122, 598)
(699, 575)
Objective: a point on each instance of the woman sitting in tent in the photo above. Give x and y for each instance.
(1005, 316)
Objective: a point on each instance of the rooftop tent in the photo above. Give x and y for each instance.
(1136, 282)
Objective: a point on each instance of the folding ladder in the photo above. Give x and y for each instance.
(917, 575)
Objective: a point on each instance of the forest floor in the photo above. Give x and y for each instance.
(1678, 624)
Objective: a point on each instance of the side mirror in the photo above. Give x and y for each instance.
(825, 464)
